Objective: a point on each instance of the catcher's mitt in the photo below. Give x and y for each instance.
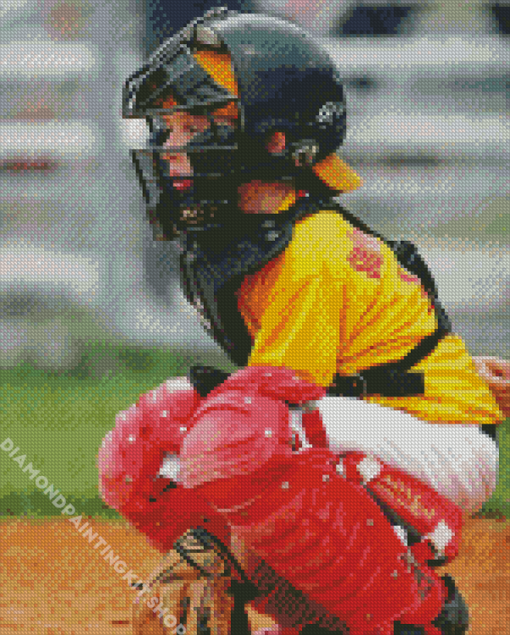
(193, 591)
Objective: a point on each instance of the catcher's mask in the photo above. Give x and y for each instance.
(236, 79)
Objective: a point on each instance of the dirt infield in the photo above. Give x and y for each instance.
(54, 581)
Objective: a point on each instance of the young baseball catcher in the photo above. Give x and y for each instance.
(327, 478)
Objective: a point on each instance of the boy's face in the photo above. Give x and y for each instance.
(176, 129)
(181, 128)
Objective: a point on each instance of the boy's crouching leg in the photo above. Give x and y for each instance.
(332, 543)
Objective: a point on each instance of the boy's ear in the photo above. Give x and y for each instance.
(276, 143)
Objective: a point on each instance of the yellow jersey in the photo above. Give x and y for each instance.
(336, 300)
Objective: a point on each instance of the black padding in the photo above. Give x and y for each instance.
(206, 378)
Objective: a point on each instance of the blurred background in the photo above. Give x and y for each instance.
(90, 309)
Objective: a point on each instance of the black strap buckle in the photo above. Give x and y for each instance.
(378, 381)
(360, 385)
(349, 386)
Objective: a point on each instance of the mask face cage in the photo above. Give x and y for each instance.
(186, 166)
(188, 170)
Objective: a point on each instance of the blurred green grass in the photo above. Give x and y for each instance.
(58, 420)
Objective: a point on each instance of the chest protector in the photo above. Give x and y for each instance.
(214, 263)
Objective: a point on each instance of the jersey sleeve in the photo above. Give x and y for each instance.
(292, 310)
